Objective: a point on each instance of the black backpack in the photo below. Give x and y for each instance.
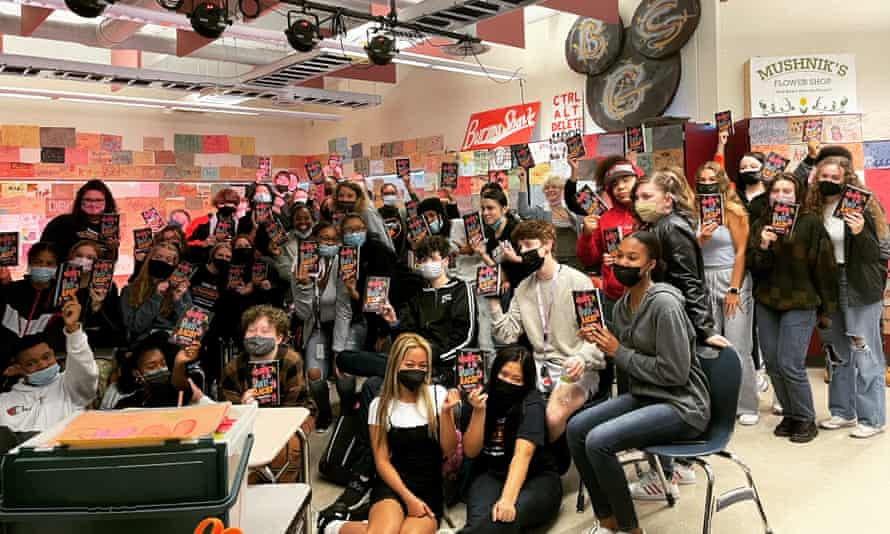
(343, 450)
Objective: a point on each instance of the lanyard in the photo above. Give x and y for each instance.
(30, 315)
(545, 317)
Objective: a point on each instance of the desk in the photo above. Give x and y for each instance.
(272, 430)
(275, 508)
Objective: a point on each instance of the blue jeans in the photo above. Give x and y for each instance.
(857, 381)
(784, 338)
(598, 433)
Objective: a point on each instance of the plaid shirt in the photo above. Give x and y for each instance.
(294, 393)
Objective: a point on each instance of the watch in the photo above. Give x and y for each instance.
(733, 290)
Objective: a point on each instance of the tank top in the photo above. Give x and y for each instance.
(719, 250)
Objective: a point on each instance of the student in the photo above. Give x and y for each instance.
(499, 248)
(856, 393)
(395, 227)
(543, 309)
(515, 485)
(412, 429)
(285, 258)
(92, 200)
(168, 234)
(208, 289)
(668, 399)
(201, 233)
(816, 153)
(750, 185)
(45, 396)
(256, 230)
(179, 218)
(729, 287)
(444, 220)
(567, 224)
(145, 379)
(796, 286)
(350, 197)
(101, 316)
(151, 302)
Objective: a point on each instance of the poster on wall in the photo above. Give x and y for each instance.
(510, 125)
(567, 115)
(812, 84)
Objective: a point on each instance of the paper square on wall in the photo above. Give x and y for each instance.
(152, 143)
(186, 143)
(110, 143)
(29, 155)
(57, 137)
(21, 136)
(89, 141)
(214, 144)
(9, 153)
(376, 167)
(242, 145)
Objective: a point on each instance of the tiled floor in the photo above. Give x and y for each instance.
(834, 484)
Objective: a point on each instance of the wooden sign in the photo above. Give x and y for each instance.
(593, 45)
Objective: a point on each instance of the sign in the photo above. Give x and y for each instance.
(813, 84)
(503, 126)
(568, 116)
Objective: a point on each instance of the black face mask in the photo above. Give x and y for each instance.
(160, 269)
(226, 211)
(532, 260)
(829, 189)
(707, 189)
(281, 189)
(749, 177)
(242, 255)
(627, 276)
(221, 264)
(504, 396)
(345, 206)
(411, 379)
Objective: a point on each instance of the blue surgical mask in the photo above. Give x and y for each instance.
(328, 251)
(44, 376)
(497, 224)
(436, 226)
(262, 197)
(390, 200)
(42, 275)
(303, 235)
(355, 239)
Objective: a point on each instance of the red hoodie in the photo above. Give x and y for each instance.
(590, 248)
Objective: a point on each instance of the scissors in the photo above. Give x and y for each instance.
(216, 527)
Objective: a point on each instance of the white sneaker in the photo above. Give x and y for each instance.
(749, 419)
(334, 527)
(648, 488)
(865, 431)
(684, 475)
(601, 530)
(836, 422)
(762, 382)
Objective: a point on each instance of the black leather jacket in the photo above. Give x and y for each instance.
(866, 266)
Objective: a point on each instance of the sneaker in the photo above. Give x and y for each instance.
(837, 422)
(762, 382)
(783, 430)
(648, 488)
(332, 528)
(601, 530)
(863, 431)
(749, 419)
(684, 475)
(803, 431)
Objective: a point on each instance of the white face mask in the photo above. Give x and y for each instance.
(390, 200)
(85, 264)
(430, 270)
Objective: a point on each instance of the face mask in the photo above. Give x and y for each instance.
(160, 269)
(242, 255)
(411, 379)
(226, 211)
(647, 210)
(496, 225)
(281, 188)
(85, 264)
(44, 376)
(221, 264)
(829, 189)
(390, 200)
(707, 189)
(436, 226)
(781, 198)
(328, 251)
(504, 395)
(157, 376)
(303, 235)
(42, 275)
(355, 239)
(627, 276)
(345, 206)
(259, 345)
(262, 197)
(430, 270)
(749, 177)
(532, 260)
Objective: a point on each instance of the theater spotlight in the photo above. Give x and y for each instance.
(301, 33)
(209, 20)
(88, 8)
(381, 47)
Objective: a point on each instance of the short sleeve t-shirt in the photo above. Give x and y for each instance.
(499, 441)
(408, 414)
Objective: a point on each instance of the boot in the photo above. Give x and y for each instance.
(322, 397)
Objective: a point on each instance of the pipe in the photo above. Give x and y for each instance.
(111, 32)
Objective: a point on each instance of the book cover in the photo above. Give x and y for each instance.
(110, 227)
(277, 234)
(470, 370)
(262, 212)
(153, 219)
(575, 146)
(448, 175)
(724, 122)
(67, 284)
(591, 202)
(522, 154)
(259, 272)
(473, 227)
(308, 258)
(853, 200)
(225, 229)
(313, 171)
(488, 280)
(774, 164)
(411, 208)
(812, 129)
(183, 273)
(103, 274)
(236, 276)
(784, 217)
(711, 208)
(612, 238)
(141, 240)
(348, 258)
(588, 308)
(417, 228)
(191, 326)
(264, 379)
(403, 167)
(376, 293)
(9, 249)
(337, 218)
(634, 140)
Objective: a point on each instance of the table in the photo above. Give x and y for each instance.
(272, 431)
(270, 508)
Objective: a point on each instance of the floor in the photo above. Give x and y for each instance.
(834, 484)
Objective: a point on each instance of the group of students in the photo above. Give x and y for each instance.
(673, 291)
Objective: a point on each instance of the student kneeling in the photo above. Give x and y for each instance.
(668, 399)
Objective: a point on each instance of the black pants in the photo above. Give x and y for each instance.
(538, 503)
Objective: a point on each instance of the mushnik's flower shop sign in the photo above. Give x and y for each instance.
(814, 84)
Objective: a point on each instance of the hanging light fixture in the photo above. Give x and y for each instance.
(301, 33)
(381, 47)
(209, 19)
(88, 8)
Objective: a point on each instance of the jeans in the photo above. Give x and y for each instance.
(784, 338)
(857, 381)
(598, 433)
(319, 357)
(538, 503)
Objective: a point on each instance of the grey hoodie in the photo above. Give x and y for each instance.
(657, 351)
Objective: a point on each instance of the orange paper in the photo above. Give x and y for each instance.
(22, 136)
(152, 143)
(89, 141)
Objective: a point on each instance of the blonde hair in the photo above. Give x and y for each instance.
(731, 200)
(554, 180)
(143, 286)
(671, 180)
(815, 202)
(390, 390)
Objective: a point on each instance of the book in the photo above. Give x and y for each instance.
(376, 294)
(522, 154)
(277, 234)
(723, 119)
(853, 200)
(141, 240)
(308, 258)
(264, 379)
(575, 147)
(488, 280)
(612, 238)
(348, 258)
(235, 276)
(411, 208)
(812, 129)
(335, 162)
(337, 218)
(313, 171)
(711, 208)
(774, 164)
(259, 273)
(110, 227)
(634, 140)
(417, 228)
(784, 217)
(225, 229)
(191, 327)
(403, 167)
(67, 283)
(588, 308)
(103, 274)
(262, 212)
(9, 249)
(183, 273)
(153, 219)
(448, 175)
(473, 227)
(470, 370)
(591, 202)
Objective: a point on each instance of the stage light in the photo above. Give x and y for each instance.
(301, 33)
(209, 20)
(88, 8)
(381, 48)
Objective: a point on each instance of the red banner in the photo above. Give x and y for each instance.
(511, 125)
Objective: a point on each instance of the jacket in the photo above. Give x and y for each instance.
(293, 392)
(685, 269)
(867, 275)
(147, 318)
(657, 351)
(445, 316)
(591, 248)
(306, 301)
(65, 230)
(36, 408)
(27, 310)
(105, 327)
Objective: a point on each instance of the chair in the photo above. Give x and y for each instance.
(724, 375)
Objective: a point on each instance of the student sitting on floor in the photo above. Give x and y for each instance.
(45, 395)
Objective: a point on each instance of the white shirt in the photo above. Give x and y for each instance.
(835, 228)
(408, 414)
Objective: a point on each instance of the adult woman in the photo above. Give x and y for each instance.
(350, 197)
(151, 302)
(28, 304)
(412, 428)
(729, 288)
(853, 336)
(515, 484)
(796, 282)
(92, 200)
(567, 224)
(668, 399)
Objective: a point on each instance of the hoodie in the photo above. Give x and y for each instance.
(657, 351)
(591, 247)
(445, 316)
(27, 310)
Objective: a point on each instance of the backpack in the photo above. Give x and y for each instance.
(342, 450)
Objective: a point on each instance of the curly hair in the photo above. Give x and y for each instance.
(815, 202)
